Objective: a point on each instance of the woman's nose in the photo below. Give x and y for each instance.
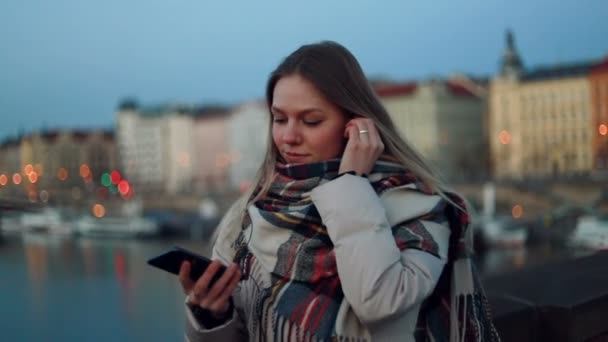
(291, 134)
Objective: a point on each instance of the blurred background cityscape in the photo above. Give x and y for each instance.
(125, 131)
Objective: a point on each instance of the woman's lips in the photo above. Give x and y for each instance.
(295, 157)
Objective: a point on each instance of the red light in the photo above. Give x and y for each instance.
(123, 187)
(115, 177)
(504, 137)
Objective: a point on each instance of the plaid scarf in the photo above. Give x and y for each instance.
(303, 291)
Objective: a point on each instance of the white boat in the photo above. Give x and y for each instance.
(119, 227)
(10, 224)
(502, 232)
(47, 220)
(591, 232)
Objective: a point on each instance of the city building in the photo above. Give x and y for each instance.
(540, 119)
(247, 138)
(599, 117)
(212, 154)
(10, 167)
(155, 147)
(49, 166)
(443, 120)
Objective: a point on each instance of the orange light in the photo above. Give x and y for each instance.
(33, 177)
(28, 169)
(3, 179)
(85, 171)
(99, 210)
(17, 178)
(603, 129)
(62, 174)
(504, 137)
(517, 211)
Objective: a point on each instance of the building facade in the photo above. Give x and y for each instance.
(50, 164)
(10, 165)
(212, 155)
(599, 117)
(247, 139)
(443, 120)
(540, 120)
(156, 147)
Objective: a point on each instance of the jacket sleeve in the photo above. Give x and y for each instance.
(378, 280)
(197, 330)
(231, 330)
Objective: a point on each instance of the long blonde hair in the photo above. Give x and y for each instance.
(336, 73)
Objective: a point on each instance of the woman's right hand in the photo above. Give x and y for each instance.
(216, 298)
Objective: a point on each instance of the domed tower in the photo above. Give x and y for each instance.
(511, 64)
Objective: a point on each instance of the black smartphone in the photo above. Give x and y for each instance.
(172, 260)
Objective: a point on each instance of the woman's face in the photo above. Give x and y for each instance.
(306, 128)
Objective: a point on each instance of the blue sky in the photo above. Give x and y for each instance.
(68, 63)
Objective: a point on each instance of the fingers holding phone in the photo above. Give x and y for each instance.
(208, 294)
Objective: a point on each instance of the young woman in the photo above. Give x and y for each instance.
(346, 235)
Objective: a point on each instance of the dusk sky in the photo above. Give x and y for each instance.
(67, 63)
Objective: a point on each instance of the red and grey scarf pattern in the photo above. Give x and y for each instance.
(305, 293)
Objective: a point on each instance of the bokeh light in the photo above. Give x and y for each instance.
(115, 177)
(27, 169)
(32, 196)
(85, 171)
(33, 177)
(99, 210)
(44, 196)
(124, 187)
(129, 195)
(113, 189)
(603, 129)
(3, 179)
(105, 179)
(504, 137)
(517, 211)
(62, 174)
(17, 179)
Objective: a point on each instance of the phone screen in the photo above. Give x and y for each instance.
(172, 260)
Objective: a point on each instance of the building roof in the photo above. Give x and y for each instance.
(395, 89)
(559, 71)
(209, 111)
(9, 142)
(458, 89)
(601, 67)
(453, 87)
(158, 111)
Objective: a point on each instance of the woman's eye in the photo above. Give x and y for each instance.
(278, 120)
(312, 123)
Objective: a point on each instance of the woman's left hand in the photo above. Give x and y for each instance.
(363, 148)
